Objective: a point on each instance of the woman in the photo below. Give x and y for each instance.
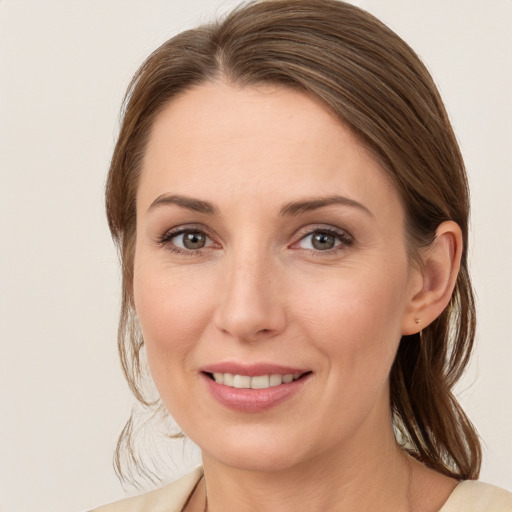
(291, 209)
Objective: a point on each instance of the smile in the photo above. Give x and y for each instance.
(254, 382)
(253, 388)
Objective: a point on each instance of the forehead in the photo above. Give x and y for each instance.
(266, 142)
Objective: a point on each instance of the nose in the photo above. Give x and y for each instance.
(251, 303)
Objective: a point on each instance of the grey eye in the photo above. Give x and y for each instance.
(323, 241)
(320, 241)
(191, 240)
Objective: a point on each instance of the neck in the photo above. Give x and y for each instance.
(362, 477)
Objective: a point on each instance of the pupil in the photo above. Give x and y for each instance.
(194, 240)
(323, 241)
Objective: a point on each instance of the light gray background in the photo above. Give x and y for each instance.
(64, 67)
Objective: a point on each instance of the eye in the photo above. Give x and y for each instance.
(191, 240)
(324, 240)
(186, 240)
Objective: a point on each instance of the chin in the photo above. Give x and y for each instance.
(257, 451)
(257, 460)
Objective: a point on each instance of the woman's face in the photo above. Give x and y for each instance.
(271, 252)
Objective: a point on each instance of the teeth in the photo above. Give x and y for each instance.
(219, 377)
(275, 380)
(260, 382)
(256, 382)
(242, 381)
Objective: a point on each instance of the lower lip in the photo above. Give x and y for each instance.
(253, 400)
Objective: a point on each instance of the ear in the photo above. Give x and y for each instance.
(432, 290)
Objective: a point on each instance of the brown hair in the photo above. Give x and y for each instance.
(378, 86)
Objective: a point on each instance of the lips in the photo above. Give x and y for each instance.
(253, 388)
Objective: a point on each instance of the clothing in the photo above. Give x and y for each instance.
(171, 498)
(473, 496)
(468, 496)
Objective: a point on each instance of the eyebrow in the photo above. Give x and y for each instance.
(292, 208)
(189, 203)
(315, 203)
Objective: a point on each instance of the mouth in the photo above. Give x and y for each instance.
(253, 388)
(256, 381)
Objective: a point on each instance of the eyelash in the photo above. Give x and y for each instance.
(345, 240)
(165, 240)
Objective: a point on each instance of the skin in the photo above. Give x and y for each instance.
(259, 291)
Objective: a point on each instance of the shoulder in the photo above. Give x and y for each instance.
(474, 496)
(170, 498)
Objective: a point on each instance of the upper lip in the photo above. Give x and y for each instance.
(252, 369)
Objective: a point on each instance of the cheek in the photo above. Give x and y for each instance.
(172, 313)
(357, 318)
